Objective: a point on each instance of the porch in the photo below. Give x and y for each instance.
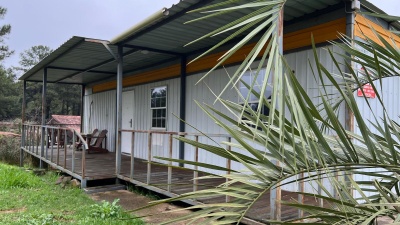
(167, 179)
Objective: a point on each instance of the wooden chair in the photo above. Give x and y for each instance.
(78, 144)
(97, 146)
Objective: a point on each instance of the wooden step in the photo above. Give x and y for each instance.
(98, 189)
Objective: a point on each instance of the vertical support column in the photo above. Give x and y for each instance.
(23, 137)
(349, 116)
(120, 72)
(82, 105)
(44, 106)
(182, 111)
(276, 195)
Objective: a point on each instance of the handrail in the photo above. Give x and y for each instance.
(50, 134)
(174, 133)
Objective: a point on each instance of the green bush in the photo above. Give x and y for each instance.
(10, 149)
(106, 210)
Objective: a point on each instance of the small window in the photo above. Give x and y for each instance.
(248, 78)
(158, 107)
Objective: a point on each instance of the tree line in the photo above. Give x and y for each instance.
(62, 99)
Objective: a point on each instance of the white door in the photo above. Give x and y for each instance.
(127, 120)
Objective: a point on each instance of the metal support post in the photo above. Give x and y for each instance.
(120, 72)
(23, 137)
(182, 110)
(82, 105)
(276, 195)
(44, 106)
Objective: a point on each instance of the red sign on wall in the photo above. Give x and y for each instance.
(368, 91)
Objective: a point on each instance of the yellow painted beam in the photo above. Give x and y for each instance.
(298, 39)
(365, 28)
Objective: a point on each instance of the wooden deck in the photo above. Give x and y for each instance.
(102, 166)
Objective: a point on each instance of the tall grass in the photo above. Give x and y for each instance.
(10, 149)
(13, 177)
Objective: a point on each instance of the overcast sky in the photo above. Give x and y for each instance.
(52, 22)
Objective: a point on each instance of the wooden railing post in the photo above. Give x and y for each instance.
(29, 136)
(58, 145)
(196, 159)
(52, 145)
(35, 140)
(275, 200)
(300, 197)
(228, 165)
(132, 155)
(65, 148)
(46, 134)
(320, 200)
(84, 165)
(73, 151)
(170, 164)
(149, 159)
(21, 153)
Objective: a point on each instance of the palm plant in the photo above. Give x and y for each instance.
(290, 144)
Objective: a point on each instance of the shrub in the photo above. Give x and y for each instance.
(10, 149)
(106, 210)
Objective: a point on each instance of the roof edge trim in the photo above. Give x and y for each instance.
(151, 19)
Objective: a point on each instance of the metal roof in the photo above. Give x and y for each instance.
(162, 37)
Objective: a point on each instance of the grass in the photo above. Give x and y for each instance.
(28, 199)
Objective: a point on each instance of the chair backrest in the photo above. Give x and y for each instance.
(94, 134)
(100, 138)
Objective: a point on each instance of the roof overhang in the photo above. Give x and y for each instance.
(159, 39)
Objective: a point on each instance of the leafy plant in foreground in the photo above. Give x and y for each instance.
(293, 134)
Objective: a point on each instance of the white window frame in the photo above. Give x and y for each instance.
(155, 108)
(240, 86)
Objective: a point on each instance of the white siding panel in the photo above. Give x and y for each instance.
(215, 82)
(389, 92)
(100, 113)
(142, 119)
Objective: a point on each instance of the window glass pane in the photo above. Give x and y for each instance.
(163, 113)
(157, 102)
(163, 102)
(244, 91)
(159, 111)
(154, 123)
(162, 123)
(246, 78)
(153, 103)
(154, 113)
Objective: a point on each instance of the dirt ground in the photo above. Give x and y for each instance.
(130, 201)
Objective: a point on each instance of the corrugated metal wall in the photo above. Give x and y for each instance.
(142, 118)
(99, 112)
(298, 61)
(103, 108)
(389, 92)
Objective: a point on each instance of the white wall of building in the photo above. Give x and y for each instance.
(103, 108)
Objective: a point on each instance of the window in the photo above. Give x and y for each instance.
(248, 78)
(158, 107)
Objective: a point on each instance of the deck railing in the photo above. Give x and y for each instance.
(55, 146)
(169, 146)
